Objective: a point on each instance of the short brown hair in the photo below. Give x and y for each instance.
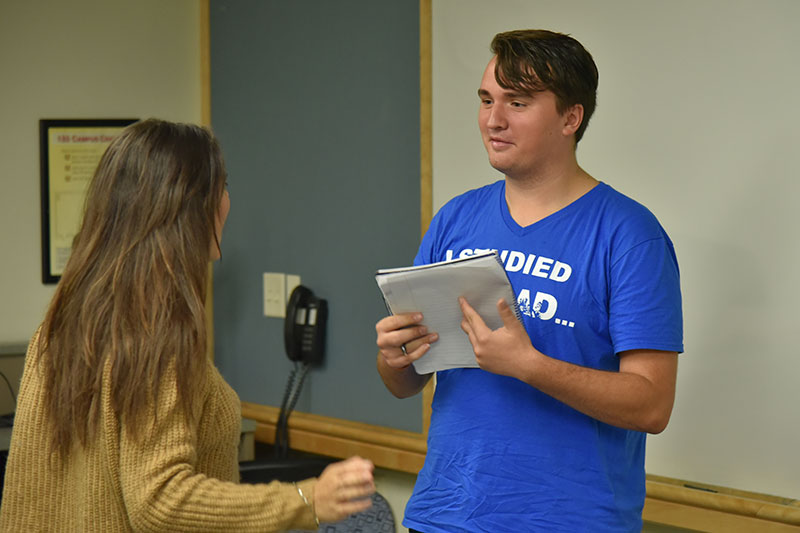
(542, 60)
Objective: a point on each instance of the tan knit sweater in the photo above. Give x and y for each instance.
(180, 477)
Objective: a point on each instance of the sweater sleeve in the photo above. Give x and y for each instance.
(162, 490)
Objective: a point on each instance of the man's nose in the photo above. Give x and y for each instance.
(496, 118)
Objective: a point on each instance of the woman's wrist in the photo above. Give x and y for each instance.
(308, 499)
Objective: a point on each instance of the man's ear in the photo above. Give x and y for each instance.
(573, 118)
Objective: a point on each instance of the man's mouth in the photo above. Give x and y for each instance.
(497, 142)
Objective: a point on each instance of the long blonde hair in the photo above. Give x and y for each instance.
(132, 293)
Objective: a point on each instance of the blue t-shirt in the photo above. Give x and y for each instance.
(594, 279)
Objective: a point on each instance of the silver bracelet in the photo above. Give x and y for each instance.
(308, 503)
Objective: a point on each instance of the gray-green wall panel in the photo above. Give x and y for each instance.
(316, 104)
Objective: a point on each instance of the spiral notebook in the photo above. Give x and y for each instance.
(434, 289)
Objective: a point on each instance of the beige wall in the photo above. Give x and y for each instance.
(78, 59)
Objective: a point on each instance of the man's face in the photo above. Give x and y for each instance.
(522, 133)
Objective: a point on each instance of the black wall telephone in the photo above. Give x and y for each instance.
(304, 328)
(304, 337)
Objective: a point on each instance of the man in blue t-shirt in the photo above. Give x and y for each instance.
(549, 433)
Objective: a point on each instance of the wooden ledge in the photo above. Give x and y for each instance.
(703, 496)
(390, 448)
(669, 501)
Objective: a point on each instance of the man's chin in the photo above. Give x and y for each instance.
(499, 166)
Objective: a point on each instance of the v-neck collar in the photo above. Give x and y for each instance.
(564, 211)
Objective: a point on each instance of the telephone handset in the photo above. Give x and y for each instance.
(304, 328)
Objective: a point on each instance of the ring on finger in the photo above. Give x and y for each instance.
(403, 348)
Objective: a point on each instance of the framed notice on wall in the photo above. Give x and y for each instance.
(69, 151)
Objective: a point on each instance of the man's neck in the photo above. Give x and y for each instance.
(532, 198)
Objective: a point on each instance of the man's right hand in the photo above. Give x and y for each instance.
(402, 339)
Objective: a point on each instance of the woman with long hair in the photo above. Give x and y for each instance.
(123, 422)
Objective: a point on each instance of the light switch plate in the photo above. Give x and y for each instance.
(292, 281)
(275, 294)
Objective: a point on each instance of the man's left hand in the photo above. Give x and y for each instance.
(502, 351)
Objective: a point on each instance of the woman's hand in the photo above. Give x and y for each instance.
(344, 488)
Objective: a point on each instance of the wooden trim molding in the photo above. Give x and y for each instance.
(426, 153)
(425, 114)
(205, 120)
(389, 448)
(699, 506)
(205, 62)
(669, 501)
